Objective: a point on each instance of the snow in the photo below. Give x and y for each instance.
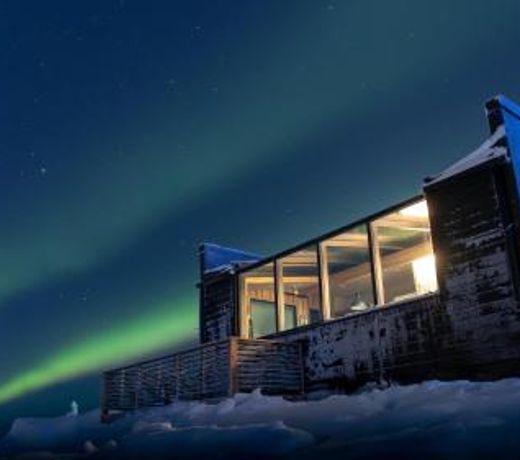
(431, 420)
(487, 151)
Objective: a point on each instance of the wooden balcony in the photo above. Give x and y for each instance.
(208, 372)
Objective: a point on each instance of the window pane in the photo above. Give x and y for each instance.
(347, 260)
(404, 243)
(301, 289)
(258, 311)
(290, 316)
(263, 316)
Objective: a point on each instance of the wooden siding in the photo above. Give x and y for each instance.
(393, 343)
(475, 241)
(217, 308)
(211, 371)
(273, 366)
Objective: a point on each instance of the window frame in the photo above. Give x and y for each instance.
(324, 272)
(324, 293)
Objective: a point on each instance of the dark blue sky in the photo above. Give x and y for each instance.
(130, 131)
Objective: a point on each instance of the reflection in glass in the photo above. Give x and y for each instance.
(348, 271)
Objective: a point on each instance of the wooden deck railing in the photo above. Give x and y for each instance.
(210, 371)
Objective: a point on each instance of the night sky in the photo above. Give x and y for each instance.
(131, 131)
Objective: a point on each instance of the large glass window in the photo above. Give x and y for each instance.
(347, 272)
(258, 302)
(406, 264)
(300, 288)
(386, 260)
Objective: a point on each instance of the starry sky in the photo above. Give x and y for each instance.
(131, 131)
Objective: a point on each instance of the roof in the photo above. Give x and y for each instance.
(217, 259)
(491, 149)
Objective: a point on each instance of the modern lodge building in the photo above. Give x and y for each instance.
(426, 289)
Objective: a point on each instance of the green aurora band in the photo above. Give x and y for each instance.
(168, 325)
(302, 67)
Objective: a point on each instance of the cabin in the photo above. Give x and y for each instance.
(427, 289)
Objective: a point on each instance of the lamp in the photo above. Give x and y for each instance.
(424, 274)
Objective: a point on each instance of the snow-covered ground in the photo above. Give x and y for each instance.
(428, 420)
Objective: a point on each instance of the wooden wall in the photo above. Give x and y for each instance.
(393, 343)
(217, 312)
(476, 240)
(210, 371)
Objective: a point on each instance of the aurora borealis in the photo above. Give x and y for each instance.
(131, 131)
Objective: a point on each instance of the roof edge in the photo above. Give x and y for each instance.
(494, 111)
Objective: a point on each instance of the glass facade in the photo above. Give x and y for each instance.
(381, 261)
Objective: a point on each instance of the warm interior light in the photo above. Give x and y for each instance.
(424, 274)
(419, 209)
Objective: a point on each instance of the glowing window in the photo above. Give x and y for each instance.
(402, 243)
(258, 302)
(348, 272)
(300, 286)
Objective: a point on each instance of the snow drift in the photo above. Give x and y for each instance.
(431, 420)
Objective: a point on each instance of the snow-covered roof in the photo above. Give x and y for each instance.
(219, 259)
(491, 149)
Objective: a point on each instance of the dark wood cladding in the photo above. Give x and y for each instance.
(393, 343)
(217, 308)
(475, 242)
(274, 366)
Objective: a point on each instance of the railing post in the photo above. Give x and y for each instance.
(137, 387)
(302, 368)
(202, 376)
(233, 365)
(104, 399)
(178, 377)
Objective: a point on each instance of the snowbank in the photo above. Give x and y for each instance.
(431, 420)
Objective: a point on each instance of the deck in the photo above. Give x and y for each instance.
(208, 372)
